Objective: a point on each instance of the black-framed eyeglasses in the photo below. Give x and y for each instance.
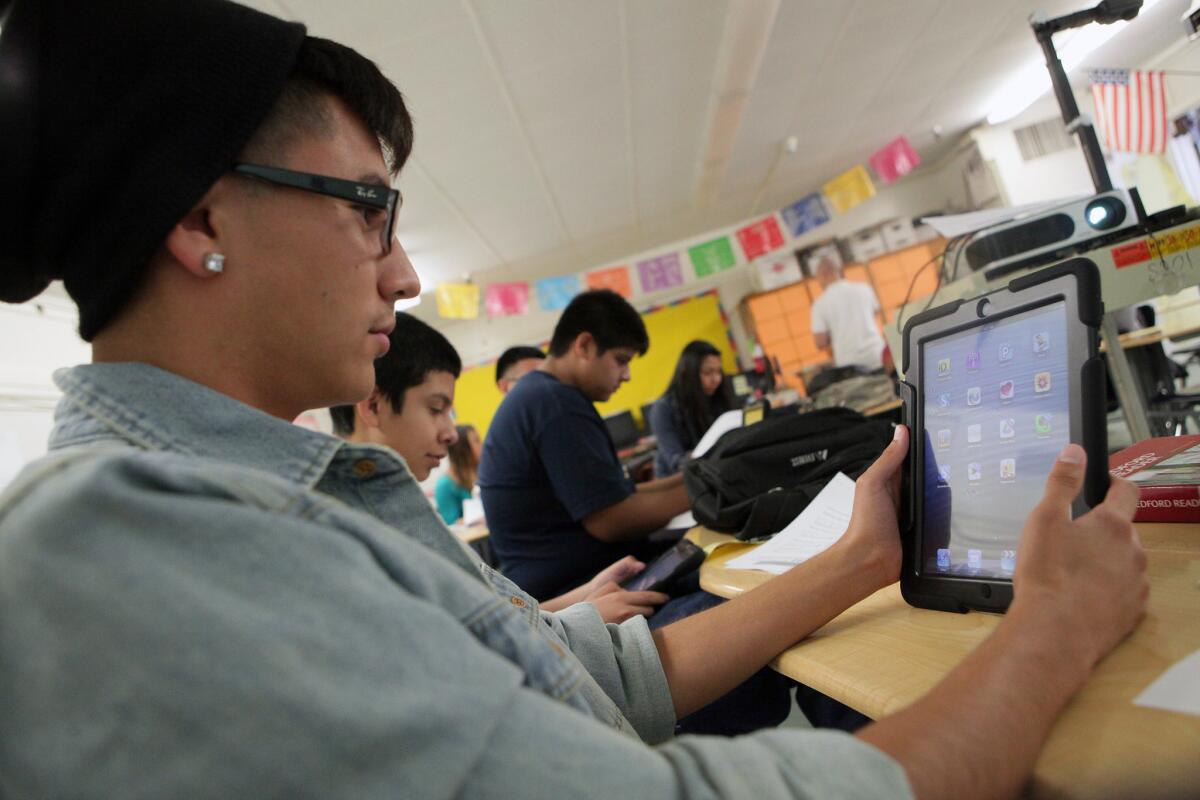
(367, 195)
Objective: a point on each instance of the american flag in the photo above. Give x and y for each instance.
(1131, 110)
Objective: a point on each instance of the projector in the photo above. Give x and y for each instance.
(1051, 235)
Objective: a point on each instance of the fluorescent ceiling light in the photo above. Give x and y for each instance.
(1031, 81)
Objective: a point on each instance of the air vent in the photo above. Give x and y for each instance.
(1043, 138)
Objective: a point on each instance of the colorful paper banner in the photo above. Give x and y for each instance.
(507, 299)
(457, 300)
(805, 214)
(614, 278)
(895, 160)
(849, 189)
(660, 272)
(554, 294)
(712, 257)
(760, 238)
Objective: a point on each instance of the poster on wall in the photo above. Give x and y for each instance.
(712, 257)
(895, 160)
(554, 294)
(614, 278)
(457, 300)
(805, 214)
(849, 189)
(660, 272)
(507, 299)
(760, 238)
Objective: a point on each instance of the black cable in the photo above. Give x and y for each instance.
(913, 283)
(946, 276)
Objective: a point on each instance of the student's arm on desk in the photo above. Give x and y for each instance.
(821, 340)
(648, 509)
(1080, 588)
(759, 625)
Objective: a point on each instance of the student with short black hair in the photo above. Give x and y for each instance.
(410, 410)
(413, 394)
(514, 364)
(687, 409)
(556, 498)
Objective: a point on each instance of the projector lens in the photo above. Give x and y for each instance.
(1104, 213)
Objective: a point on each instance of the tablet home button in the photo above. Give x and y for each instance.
(986, 590)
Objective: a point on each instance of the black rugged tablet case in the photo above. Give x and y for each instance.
(958, 595)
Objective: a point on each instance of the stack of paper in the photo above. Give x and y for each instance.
(816, 528)
(721, 425)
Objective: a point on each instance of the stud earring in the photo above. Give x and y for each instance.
(214, 262)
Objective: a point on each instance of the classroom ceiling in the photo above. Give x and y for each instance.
(557, 135)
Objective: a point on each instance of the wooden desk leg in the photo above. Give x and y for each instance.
(1133, 405)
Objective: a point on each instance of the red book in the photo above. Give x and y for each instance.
(1168, 471)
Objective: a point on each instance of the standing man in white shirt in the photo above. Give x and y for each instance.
(843, 318)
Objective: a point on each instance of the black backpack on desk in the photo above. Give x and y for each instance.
(755, 480)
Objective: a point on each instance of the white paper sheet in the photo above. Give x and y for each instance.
(816, 528)
(1177, 689)
(721, 425)
(684, 520)
(952, 225)
(472, 511)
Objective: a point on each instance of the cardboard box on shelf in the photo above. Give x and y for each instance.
(898, 234)
(772, 272)
(867, 244)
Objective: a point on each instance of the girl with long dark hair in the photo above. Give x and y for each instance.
(457, 483)
(686, 410)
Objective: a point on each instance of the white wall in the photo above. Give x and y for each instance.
(38, 337)
(1051, 177)
(1065, 174)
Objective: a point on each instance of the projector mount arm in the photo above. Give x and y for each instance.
(1105, 13)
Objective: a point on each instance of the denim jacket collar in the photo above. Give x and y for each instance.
(158, 410)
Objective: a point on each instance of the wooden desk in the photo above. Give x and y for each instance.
(883, 408)
(881, 655)
(470, 533)
(1139, 338)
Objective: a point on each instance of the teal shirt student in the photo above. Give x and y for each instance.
(449, 497)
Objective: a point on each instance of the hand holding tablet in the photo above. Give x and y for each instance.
(995, 387)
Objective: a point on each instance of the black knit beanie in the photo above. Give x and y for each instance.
(115, 119)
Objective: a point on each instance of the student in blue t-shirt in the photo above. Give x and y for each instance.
(558, 503)
(454, 486)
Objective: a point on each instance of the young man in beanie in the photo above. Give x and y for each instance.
(199, 599)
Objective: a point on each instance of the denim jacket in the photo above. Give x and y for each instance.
(199, 599)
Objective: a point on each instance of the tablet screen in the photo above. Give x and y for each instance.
(996, 413)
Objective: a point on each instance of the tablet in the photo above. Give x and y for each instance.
(994, 388)
(681, 559)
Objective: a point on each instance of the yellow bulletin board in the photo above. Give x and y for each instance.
(670, 327)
